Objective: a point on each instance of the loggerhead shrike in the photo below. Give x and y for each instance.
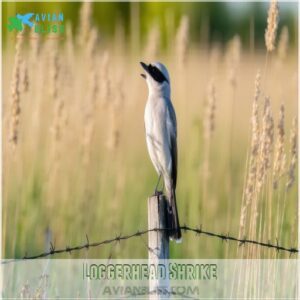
(161, 136)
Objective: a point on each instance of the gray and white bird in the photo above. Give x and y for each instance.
(161, 136)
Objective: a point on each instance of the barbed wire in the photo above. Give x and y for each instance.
(199, 231)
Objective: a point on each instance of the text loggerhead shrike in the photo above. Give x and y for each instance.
(161, 136)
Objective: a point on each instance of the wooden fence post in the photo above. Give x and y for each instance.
(158, 243)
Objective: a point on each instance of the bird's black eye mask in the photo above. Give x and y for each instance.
(156, 74)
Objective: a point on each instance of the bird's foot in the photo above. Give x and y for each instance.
(157, 193)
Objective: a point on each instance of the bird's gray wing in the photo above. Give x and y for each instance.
(172, 134)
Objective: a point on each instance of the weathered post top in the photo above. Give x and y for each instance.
(158, 242)
(157, 218)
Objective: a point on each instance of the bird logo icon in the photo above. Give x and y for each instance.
(19, 20)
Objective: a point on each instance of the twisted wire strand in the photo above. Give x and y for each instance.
(185, 228)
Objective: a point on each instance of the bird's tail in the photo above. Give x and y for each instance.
(175, 231)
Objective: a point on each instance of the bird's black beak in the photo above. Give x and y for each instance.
(145, 67)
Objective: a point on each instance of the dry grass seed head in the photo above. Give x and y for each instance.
(254, 147)
(273, 19)
(293, 154)
(24, 77)
(69, 44)
(35, 45)
(115, 115)
(280, 157)
(266, 144)
(105, 81)
(86, 142)
(54, 68)
(59, 120)
(59, 116)
(91, 47)
(89, 115)
(233, 56)
(15, 95)
(85, 23)
(182, 39)
(209, 118)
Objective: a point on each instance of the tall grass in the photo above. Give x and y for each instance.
(74, 116)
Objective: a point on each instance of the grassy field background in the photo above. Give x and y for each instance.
(77, 163)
